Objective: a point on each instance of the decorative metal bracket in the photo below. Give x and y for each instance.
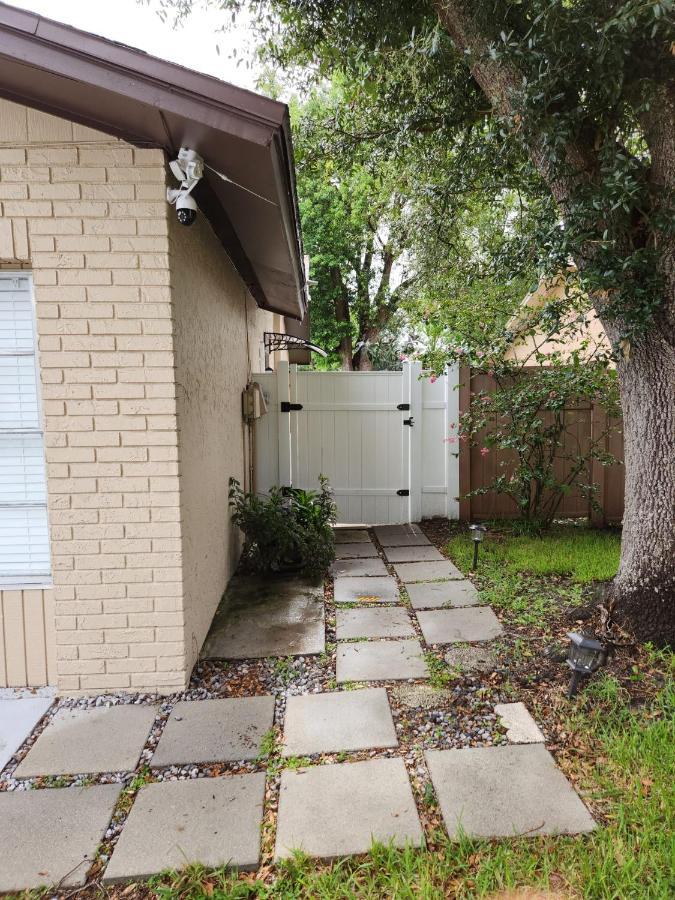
(274, 341)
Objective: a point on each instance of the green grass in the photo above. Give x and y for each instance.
(582, 554)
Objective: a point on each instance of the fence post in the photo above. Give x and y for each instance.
(464, 447)
(415, 437)
(452, 455)
(598, 472)
(284, 422)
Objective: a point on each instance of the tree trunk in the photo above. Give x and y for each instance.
(342, 317)
(644, 589)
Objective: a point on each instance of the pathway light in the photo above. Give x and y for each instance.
(477, 533)
(584, 656)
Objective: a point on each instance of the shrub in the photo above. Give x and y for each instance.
(289, 530)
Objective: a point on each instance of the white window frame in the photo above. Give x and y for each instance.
(17, 582)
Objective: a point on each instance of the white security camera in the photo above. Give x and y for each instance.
(188, 168)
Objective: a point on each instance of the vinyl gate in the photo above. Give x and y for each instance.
(379, 437)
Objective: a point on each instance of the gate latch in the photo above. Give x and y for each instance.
(290, 407)
(403, 492)
(403, 406)
(409, 421)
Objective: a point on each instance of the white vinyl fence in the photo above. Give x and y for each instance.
(379, 437)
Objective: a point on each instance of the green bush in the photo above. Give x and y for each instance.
(289, 530)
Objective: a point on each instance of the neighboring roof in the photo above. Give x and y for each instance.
(589, 336)
(149, 102)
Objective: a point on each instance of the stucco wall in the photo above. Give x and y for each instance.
(218, 333)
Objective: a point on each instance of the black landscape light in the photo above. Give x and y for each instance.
(477, 534)
(584, 656)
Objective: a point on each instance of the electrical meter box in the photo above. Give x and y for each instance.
(253, 402)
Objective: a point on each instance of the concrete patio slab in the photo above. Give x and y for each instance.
(213, 821)
(359, 550)
(353, 567)
(50, 836)
(404, 540)
(385, 622)
(505, 792)
(351, 535)
(260, 617)
(439, 594)
(18, 717)
(366, 590)
(520, 726)
(413, 554)
(87, 741)
(427, 571)
(446, 626)
(335, 810)
(380, 661)
(343, 720)
(202, 731)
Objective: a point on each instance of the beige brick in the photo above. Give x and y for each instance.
(167, 648)
(89, 376)
(66, 652)
(115, 326)
(98, 532)
(39, 191)
(26, 174)
(148, 174)
(129, 635)
(151, 191)
(83, 242)
(106, 682)
(13, 191)
(152, 530)
(112, 260)
(122, 454)
(80, 638)
(49, 342)
(158, 590)
(84, 276)
(50, 156)
(10, 155)
(79, 607)
(127, 605)
(134, 666)
(20, 231)
(44, 276)
(153, 226)
(106, 156)
(116, 360)
(146, 342)
(81, 666)
(126, 546)
(58, 260)
(102, 592)
(149, 407)
(121, 423)
(126, 576)
(143, 311)
(6, 239)
(105, 226)
(148, 157)
(102, 621)
(156, 679)
(104, 651)
(70, 454)
(81, 209)
(55, 226)
(137, 210)
(126, 484)
(84, 311)
(68, 683)
(91, 407)
(125, 516)
(156, 620)
(121, 391)
(29, 208)
(79, 174)
(42, 243)
(141, 276)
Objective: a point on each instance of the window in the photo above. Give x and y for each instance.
(24, 530)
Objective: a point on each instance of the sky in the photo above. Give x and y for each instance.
(138, 25)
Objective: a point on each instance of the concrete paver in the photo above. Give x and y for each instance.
(334, 810)
(413, 554)
(403, 540)
(520, 726)
(446, 626)
(213, 821)
(358, 550)
(50, 836)
(385, 622)
(260, 617)
(504, 792)
(87, 741)
(18, 717)
(351, 535)
(352, 567)
(351, 589)
(341, 720)
(202, 731)
(380, 661)
(439, 594)
(427, 571)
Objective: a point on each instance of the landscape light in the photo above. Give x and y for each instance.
(584, 656)
(477, 533)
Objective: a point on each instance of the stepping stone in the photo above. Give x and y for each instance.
(389, 530)
(446, 626)
(202, 731)
(505, 792)
(385, 622)
(427, 571)
(380, 661)
(87, 741)
(422, 696)
(212, 821)
(439, 594)
(359, 550)
(404, 540)
(50, 836)
(18, 717)
(366, 590)
(345, 720)
(478, 659)
(335, 810)
(413, 554)
(260, 617)
(351, 536)
(520, 726)
(351, 567)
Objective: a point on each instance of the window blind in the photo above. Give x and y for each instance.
(24, 530)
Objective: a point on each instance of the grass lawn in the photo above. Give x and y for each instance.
(615, 742)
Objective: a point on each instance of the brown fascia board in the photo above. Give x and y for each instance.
(180, 99)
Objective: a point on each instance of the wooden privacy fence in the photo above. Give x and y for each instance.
(584, 421)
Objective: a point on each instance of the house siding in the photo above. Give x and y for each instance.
(138, 559)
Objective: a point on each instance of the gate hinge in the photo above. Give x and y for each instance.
(403, 492)
(289, 407)
(403, 406)
(409, 421)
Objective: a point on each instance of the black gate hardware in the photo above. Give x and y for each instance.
(403, 406)
(290, 407)
(404, 492)
(409, 421)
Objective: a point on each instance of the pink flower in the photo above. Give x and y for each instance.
(452, 425)
(433, 379)
(403, 357)
(450, 440)
(484, 451)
